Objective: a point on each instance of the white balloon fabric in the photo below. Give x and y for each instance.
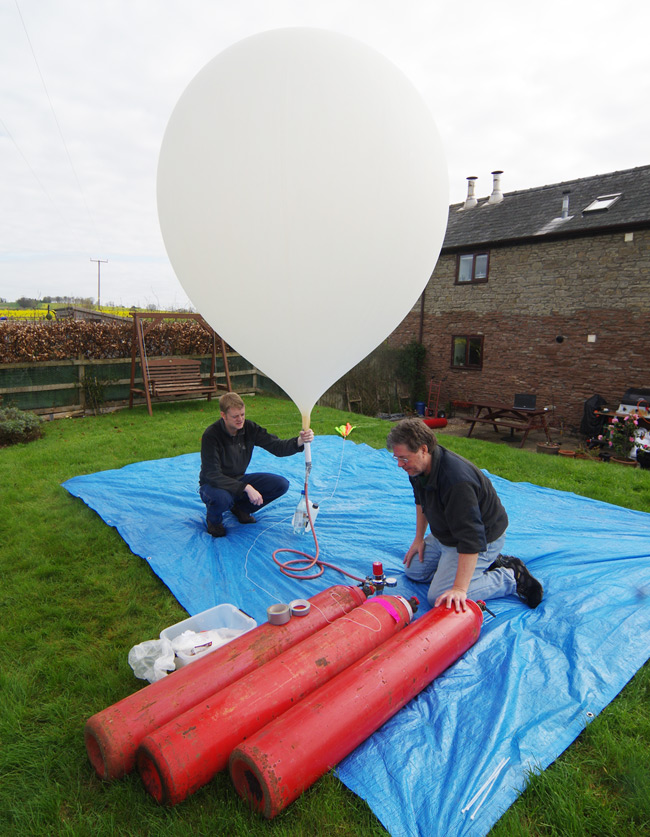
(302, 198)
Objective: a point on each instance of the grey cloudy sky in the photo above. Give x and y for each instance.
(545, 91)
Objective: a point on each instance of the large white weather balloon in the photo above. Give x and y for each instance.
(302, 197)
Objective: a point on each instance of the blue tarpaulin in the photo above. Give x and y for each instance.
(455, 758)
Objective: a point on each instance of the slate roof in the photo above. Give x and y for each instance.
(535, 214)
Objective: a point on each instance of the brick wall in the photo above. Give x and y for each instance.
(537, 293)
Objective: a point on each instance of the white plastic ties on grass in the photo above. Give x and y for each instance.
(485, 788)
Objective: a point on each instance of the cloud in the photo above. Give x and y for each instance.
(546, 92)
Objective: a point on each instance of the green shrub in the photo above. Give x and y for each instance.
(410, 369)
(18, 426)
(95, 391)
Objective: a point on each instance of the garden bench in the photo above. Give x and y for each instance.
(172, 376)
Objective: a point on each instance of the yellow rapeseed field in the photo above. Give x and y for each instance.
(24, 313)
(41, 313)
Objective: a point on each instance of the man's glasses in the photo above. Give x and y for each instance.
(404, 460)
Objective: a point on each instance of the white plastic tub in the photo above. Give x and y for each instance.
(221, 616)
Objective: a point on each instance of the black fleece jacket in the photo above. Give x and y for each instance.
(460, 503)
(224, 458)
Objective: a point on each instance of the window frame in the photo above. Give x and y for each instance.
(602, 203)
(468, 338)
(474, 256)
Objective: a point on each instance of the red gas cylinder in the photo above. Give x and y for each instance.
(275, 765)
(177, 759)
(114, 734)
(435, 422)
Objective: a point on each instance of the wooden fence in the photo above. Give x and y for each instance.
(73, 387)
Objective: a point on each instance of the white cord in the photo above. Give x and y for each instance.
(338, 476)
(346, 618)
(276, 596)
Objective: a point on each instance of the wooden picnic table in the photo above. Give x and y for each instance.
(514, 418)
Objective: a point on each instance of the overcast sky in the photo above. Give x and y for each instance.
(546, 92)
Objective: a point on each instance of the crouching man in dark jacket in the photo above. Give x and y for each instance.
(461, 557)
(226, 451)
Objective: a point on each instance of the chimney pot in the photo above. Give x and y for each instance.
(565, 203)
(470, 200)
(497, 194)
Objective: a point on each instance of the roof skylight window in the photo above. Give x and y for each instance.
(602, 203)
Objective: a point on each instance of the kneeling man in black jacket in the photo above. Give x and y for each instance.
(462, 555)
(226, 451)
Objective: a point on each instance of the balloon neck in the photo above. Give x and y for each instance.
(306, 418)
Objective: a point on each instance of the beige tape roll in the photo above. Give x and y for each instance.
(278, 614)
(300, 607)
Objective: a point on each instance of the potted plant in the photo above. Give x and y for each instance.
(548, 447)
(619, 436)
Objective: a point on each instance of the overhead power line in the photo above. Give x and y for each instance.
(6, 131)
(56, 121)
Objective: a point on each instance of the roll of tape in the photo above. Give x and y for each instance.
(278, 614)
(299, 607)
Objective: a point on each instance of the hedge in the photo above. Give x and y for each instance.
(22, 342)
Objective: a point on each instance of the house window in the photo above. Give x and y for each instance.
(467, 351)
(472, 267)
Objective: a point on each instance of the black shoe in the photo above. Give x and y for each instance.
(529, 589)
(217, 530)
(242, 516)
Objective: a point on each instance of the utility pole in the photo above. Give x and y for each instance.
(99, 263)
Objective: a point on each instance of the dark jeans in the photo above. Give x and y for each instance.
(218, 500)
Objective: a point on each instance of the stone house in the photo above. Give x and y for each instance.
(543, 291)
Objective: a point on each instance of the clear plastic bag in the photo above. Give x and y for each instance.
(152, 660)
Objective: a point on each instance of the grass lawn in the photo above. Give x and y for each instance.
(74, 600)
